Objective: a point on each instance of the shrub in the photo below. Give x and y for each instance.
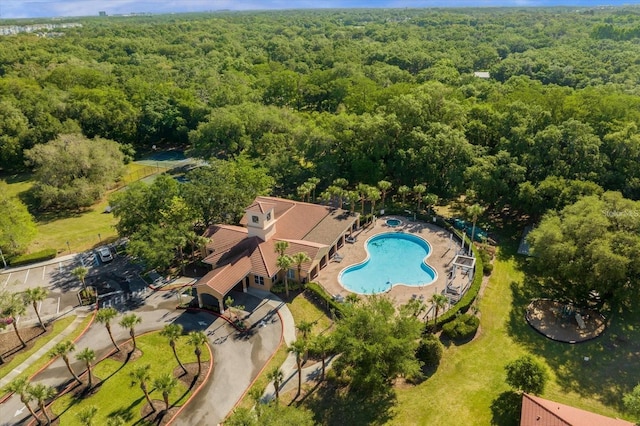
(323, 300)
(38, 256)
(279, 287)
(527, 375)
(462, 327)
(430, 351)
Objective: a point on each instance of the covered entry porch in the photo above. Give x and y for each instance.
(213, 288)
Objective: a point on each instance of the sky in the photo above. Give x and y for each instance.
(10, 9)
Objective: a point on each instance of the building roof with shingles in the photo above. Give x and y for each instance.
(309, 228)
(221, 280)
(538, 411)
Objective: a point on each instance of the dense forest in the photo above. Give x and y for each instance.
(363, 95)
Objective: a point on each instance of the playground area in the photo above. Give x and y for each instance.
(563, 322)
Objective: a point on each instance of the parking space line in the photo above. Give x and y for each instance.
(26, 276)
(60, 266)
(7, 281)
(39, 306)
(44, 268)
(58, 308)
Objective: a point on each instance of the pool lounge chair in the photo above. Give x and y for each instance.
(337, 258)
(351, 239)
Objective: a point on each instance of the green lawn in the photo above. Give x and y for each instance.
(471, 376)
(74, 231)
(116, 395)
(58, 327)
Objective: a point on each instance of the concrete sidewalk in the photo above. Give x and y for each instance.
(55, 260)
(43, 350)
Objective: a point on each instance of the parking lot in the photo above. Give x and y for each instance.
(117, 282)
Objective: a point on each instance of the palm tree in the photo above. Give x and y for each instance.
(284, 263)
(298, 348)
(22, 387)
(33, 296)
(63, 349)
(140, 375)
(474, 211)
(304, 327)
(373, 194)
(173, 332)
(80, 273)
(86, 416)
(41, 393)
(104, 316)
(419, 190)
(276, 376)
(298, 259)
(130, 321)
(321, 344)
(88, 356)
(430, 200)
(352, 197)
(280, 247)
(363, 191)
(313, 184)
(115, 420)
(13, 308)
(337, 192)
(403, 191)
(165, 384)
(384, 186)
(197, 339)
(3, 325)
(439, 301)
(303, 191)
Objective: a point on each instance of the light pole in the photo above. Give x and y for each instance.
(68, 247)
(99, 238)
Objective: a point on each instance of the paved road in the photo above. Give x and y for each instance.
(238, 359)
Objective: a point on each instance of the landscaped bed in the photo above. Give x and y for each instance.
(564, 323)
(114, 393)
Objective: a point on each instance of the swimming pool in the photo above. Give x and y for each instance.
(394, 222)
(394, 258)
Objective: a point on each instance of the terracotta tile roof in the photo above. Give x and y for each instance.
(537, 411)
(336, 223)
(260, 207)
(221, 280)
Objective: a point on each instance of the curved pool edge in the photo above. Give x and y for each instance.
(366, 259)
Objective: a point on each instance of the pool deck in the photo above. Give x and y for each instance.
(442, 254)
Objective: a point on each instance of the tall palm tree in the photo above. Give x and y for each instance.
(403, 191)
(22, 387)
(298, 348)
(165, 384)
(197, 339)
(130, 321)
(276, 376)
(419, 191)
(363, 191)
(13, 308)
(303, 191)
(105, 316)
(87, 355)
(299, 258)
(280, 247)
(313, 184)
(474, 211)
(41, 393)
(3, 325)
(439, 301)
(63, 349)
(321, 345)
(352, 197)
(430, 200)
(373, 194)
(337, 192)
(80, 273)
(173, 332)
(284, 263)
(304, 327)
(86, 415)
(140, 375)
(33, 296)
(384, 186)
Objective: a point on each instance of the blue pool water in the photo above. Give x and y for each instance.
(394, 258)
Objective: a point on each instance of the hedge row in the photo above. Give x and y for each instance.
(324, 300)
(38, 256)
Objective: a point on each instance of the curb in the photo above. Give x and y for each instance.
(195, 392)
(261, 370)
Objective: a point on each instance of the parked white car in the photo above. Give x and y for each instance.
(105, 254)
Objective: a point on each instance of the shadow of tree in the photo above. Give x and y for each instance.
(335, 406)
(505, 409)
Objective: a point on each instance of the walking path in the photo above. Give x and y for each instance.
(43, 350)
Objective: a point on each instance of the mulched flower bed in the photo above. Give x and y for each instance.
(11, 346)
(557, 321)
